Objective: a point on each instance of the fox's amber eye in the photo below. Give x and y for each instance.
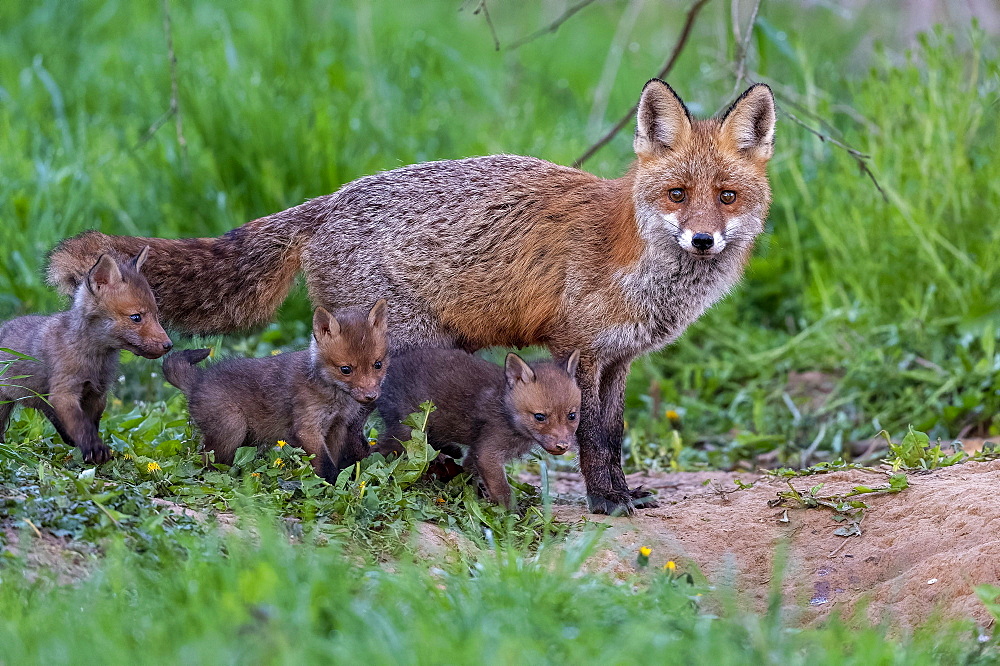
(377, 365)
(540, 418)
(136, 318)
(346, 369)
(727, 197)
(571, 416)
(676, 195)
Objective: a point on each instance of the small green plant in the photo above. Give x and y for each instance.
(914, 451)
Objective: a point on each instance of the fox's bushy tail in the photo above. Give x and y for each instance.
(179, 368)
(205, 285)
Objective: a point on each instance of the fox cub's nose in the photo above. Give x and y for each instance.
(561, 447)
(168, 345)
(702, 241)
(369, 397)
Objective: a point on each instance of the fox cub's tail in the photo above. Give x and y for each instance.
(179, 368)
(206, 285)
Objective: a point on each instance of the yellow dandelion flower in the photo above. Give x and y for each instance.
(670, 566)
(153, 467)
(372, 442)
(361, 487)
(257, 474)
(439, 500)
(672, 415)
(275, 352)
(278, 462)
(645, 551)
(129, 456)
(282, 443)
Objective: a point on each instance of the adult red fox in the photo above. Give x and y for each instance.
(503, 250)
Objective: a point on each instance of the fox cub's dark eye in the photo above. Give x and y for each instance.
(727, 197)
(540, 417)
(377, 365)
(676, 195)
(346, 369)
(571, 416)
(136, 318)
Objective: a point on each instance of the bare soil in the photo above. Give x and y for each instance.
(921, 552)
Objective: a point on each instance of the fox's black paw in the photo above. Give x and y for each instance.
(643, 499)
(96, 453)
(611, 502)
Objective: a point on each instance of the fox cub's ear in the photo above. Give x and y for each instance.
(105, 273)
(325, 323)
(139, 259)
(749, 122)
(377, 315)
(517, 370)
(572, 362)
(663, 122)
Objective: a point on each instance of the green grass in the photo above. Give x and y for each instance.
(894, 303)
(267, 601)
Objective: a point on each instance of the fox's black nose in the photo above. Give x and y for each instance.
(702, 241)
(369, 397)
(168, 345)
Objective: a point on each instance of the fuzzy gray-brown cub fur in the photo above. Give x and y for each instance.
(76, 352)
(312, 398)
(499, 413)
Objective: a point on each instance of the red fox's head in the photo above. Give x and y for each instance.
(701, 185)
(543, 401)
(119, 306)
(350, 350)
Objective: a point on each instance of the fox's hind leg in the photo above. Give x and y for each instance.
(223, 433)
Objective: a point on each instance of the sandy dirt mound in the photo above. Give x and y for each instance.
(920, 551)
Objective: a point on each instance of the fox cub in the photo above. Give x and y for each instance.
(499, 413)
(76, 352)
(313, 398)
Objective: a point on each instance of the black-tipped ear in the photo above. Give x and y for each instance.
(105, 273)
(749, 122)
(517, 370)
(325, 323)
(662, 122)
(377, 315)
(572, 362)
(139, 259)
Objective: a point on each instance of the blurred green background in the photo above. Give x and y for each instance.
(858, 313)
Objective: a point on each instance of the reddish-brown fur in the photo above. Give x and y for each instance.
(506, 250)
(311, 398)
(498, 413)
(76, 352)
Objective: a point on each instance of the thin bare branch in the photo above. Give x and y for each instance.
(743, 46)
(552, 27)
(174, 110)
(486, 15)
(856, 155)
(175, 105)
(682, 40)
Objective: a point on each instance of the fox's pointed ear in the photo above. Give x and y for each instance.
(749, 122)
(377, 315)
(325, 323)
(517, 370)
(662, 122)
(139, 259)
(572, 362)
(105, 273)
